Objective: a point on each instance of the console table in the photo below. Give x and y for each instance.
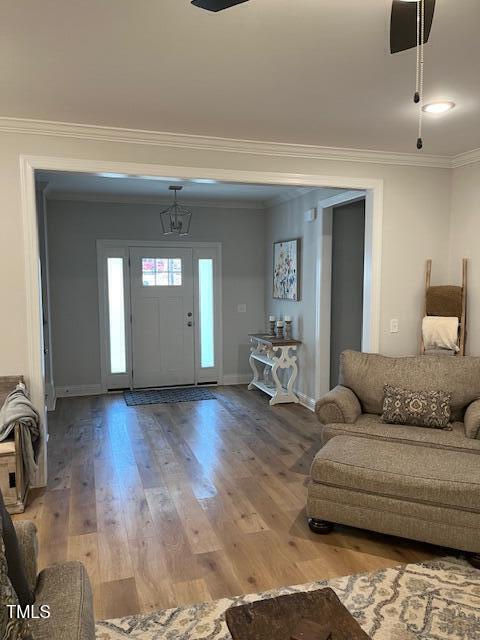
(277, 353)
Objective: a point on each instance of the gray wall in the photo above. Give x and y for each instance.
(74, 227)
(286, 221)
(348, 252)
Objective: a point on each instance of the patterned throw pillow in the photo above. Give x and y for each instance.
(11, 628)
(418, 408)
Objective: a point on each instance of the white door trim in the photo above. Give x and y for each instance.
(198, 250)
(371, 288)
(28, 165)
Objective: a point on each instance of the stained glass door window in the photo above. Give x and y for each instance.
(162, 272)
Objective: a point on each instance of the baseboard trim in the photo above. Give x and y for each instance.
(51, 396)
(306, 401)
(236, 378)
(79, 390)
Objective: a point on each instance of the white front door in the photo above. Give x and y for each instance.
(163, 352)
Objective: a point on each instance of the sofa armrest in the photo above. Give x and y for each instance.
(27, 541)
(66, 589)
(338, 405)
(472, 420)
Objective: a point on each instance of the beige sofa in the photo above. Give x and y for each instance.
(414, 482)
(64, 587)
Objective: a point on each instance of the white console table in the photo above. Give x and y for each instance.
(277, 353)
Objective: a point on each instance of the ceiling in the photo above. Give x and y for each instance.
(306, 72)
(97, 187)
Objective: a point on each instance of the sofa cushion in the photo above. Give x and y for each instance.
(370, 426)
(367, 373)
(11, 627)
(420, 408)
(27, 541)
(418, 474)
(472, 420)
(15, 560)
(66, 589)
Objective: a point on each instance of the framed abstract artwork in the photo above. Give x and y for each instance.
(285, 270)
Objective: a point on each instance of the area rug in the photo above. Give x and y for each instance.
(162, 396)
(437, 600)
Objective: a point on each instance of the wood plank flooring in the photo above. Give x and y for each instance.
(174, 504)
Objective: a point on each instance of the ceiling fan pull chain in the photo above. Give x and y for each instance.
(416, 97)
(421, 73)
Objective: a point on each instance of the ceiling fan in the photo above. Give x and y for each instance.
(216, 5)
(403, 26)
(410, 26)
(403, 31)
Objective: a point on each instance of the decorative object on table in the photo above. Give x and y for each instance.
(164, 396)
(288, 327)
(279, 329)
(276, 353)
(285, 270)
(279, 618)
(267, 376)
(378, 600)
(175, 218)
(271, 323)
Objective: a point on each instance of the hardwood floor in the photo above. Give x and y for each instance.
(174, 504)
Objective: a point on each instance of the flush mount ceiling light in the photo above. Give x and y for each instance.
(438, 107)
(204, 181)
(175, 218)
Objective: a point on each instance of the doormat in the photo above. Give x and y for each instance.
(162, 396)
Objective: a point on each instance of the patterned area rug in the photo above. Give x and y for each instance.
(437, 600)
(162, 396)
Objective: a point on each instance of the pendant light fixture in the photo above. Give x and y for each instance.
(175, 218)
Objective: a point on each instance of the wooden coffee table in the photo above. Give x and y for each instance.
(313, 615)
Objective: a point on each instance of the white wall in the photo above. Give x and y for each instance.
(465, 243)
(74, 227)
(416, 221)
(286, 221)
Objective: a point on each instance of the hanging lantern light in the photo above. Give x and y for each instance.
(175, 218)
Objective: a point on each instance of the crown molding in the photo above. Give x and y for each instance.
(117, 198)
(252, 147)
(287, 197)
(464, 159)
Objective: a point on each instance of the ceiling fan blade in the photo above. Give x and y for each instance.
(403, 28)
(216, 5)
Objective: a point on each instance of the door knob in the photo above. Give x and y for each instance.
(189, 323)
(189, 314)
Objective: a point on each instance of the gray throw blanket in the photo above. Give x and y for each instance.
(18, 409)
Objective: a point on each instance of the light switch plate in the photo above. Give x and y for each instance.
(242, 308)
(394, 325)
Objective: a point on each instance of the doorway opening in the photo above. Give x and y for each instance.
(347, 290)
(241, 251)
